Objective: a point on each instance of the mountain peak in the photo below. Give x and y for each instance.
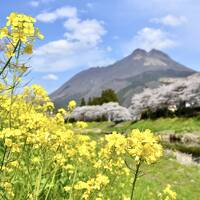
(158, 53)
(137, 52)
(152, 53)
(127, 77)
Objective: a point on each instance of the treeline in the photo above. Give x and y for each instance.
(107, 96)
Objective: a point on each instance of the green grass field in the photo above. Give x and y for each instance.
(185, 179)
(177, 125)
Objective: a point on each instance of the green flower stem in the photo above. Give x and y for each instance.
(8, 61)
(74, 178)
(38, 182)
(51, 184)
(135, 178)
(3, 159)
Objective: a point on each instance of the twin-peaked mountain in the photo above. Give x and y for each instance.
(127, 77)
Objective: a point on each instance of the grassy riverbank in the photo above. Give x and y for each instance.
(173, 125)
(185, 179)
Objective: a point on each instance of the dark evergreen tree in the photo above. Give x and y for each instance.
(109, 95)
(89, 101)
(83, 103)
(96, 101)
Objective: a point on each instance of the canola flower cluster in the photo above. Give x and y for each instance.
(19, 30)
(40, 145)
(42, 157)
(168, 193)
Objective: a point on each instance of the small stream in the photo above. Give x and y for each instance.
(184, 158)
(187, 159)
(185, 148)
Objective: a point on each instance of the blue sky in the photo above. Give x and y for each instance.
(84, 33)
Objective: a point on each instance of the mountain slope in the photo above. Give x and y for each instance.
(128, 76)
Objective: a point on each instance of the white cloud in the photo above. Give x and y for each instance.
(161, 5)
(80, 46)
(87, 31)
(50, 77)
(149, 38)
(62, 55)
(60, 13)
(36, 3)
(170, 20)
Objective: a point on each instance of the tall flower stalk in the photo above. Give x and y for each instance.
(135, 179)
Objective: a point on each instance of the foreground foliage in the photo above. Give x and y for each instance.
(42, 157)
(48, 160)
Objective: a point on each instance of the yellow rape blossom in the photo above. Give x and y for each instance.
(72, 104)
(28, 49)
(35, 160)
(81, 124)
(92, 185)
(3, 32)
(144, 146)
(169, 194)
(20, 28)
(8, 142)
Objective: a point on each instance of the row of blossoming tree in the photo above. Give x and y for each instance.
(41, 157)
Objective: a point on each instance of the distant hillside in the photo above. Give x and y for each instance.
(128, 76)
